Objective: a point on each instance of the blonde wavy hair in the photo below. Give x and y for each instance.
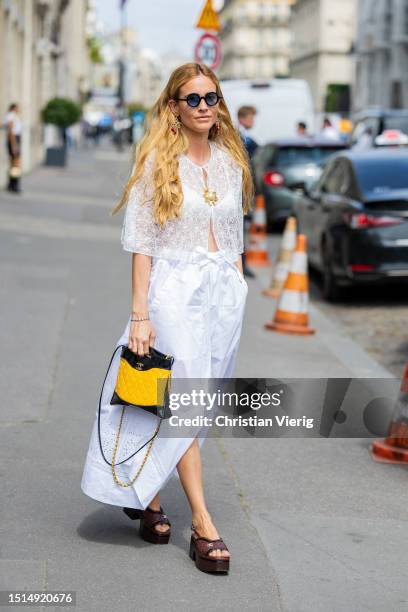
(168, 196)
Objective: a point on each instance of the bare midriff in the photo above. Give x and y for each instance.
(212, 245)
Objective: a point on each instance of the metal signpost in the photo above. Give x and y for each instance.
(208, 47)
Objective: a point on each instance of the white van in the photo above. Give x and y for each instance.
(280, 104)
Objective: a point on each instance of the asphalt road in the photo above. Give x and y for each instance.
(376, 317)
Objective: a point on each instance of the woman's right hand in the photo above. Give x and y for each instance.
(142, 335)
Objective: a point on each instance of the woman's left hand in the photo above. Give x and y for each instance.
(238, 263)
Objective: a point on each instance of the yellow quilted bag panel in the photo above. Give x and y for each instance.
(142, 387)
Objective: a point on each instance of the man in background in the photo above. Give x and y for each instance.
(246, 119)
(301, 130)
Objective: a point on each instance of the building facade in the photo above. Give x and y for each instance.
(145, 71)
(255, 39)
(323, 32)
(42, 54)
(381, 49)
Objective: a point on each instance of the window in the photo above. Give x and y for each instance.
(372, 123)
(406, 20)
(272, 38)
(396, 94)
(268, 154)
(241, 14)
(337, 181)
(263, 11)
(323, 183)
(319, 185)
(396, 123)
(297, 156)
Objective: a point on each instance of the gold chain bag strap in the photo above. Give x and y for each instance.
(143, 382)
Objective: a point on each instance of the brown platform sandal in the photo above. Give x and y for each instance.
(200, 548)
(148, 519)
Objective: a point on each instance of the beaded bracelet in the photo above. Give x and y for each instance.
(142, 319)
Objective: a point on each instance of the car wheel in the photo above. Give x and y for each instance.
(270, 226)
(330, 289)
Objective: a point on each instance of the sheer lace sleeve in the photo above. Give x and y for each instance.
(236, 184)
(139, 228)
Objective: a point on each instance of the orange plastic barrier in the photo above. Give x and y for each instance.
(394, 448)
(281, 269)
(291, 316)
(257, 252)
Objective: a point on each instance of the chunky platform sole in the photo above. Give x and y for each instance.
(206, 565)
(149, 535)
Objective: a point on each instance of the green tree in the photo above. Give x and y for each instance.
(337, 98)
(134, 107)
(94, 50)
(62, 112)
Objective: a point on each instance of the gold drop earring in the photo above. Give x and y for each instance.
(175, 124)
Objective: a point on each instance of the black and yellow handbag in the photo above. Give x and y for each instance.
(143, 382)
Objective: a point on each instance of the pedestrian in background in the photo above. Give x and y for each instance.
(189, 188)
(246, 120)
(329, 131)
(301, 130)
(13, 141)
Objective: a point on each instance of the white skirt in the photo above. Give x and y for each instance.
(197, 310)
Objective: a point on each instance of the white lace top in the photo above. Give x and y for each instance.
(179, 238)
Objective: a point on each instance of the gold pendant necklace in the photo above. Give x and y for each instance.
(210, 196)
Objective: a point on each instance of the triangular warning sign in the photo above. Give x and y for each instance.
(209, 18)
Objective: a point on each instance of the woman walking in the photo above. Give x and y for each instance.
(190, 187)
(14, 128)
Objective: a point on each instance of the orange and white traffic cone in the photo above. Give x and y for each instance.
(281, 269)
(394, 448)
(291, 316)
(257, 252)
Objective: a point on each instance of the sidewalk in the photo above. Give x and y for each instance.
(312, 524)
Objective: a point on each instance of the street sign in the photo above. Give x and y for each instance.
(208, 51)
(208, 19)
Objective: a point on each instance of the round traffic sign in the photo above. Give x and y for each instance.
(208, 50)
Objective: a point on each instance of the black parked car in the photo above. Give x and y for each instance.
(356, 219)
(284, 165)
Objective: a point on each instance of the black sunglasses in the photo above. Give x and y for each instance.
(211, 99)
